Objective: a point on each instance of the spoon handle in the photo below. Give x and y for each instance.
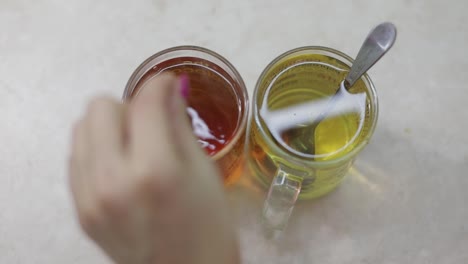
(377, 43)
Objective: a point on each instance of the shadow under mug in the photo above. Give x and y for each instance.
(302, 75)
(218, 101)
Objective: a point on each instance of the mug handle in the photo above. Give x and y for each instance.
(281, 199)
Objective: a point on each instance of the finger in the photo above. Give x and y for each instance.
(83, 178)
(79, 165)
(89, 164)
(106, 130)
(150, 116)
(182, 127)
(192, 153)
(79, 144)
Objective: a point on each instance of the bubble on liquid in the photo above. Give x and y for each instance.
(203, 143)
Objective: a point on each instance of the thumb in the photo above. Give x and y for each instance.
(182, 126)
(149, 120)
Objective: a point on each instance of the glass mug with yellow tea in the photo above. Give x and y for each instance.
(298, 158)
(217, 102)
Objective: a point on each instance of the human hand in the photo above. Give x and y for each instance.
(143, 188)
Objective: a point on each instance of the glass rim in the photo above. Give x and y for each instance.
(143, 68)
(340, 56)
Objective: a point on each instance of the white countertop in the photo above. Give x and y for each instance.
(405, 200)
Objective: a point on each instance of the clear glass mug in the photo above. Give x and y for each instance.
(310, 159)
(218, 102)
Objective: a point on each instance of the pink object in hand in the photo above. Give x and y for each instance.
(184, 85)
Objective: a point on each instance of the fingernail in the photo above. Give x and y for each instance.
(184, 85)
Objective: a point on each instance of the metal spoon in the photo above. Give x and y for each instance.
(377, 43)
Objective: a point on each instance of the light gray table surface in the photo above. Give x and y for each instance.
(405, 199)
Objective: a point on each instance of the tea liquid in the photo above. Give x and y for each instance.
(301, 79)
(333, 136)
(213, 106)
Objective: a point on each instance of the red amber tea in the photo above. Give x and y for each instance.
(217, 106)
(212, 104)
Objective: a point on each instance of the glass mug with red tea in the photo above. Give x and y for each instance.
(299, 158)
(217, 103)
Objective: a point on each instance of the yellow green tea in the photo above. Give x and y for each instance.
(295, 80)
